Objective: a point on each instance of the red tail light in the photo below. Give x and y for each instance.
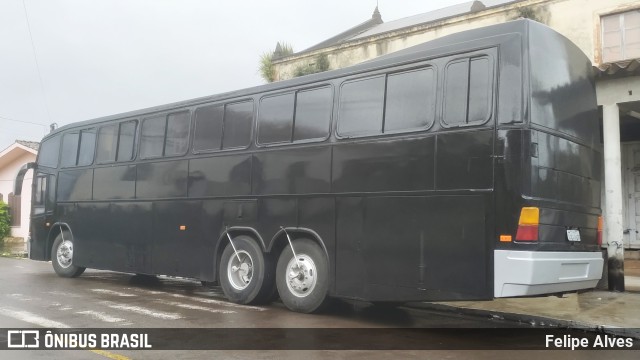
(600, 227)
(528, 224)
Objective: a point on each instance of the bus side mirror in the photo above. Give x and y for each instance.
(17, 186)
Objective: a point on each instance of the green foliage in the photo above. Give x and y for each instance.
(302, 70)
(5, 221)
(321, 64)
(282, 49)
(539, 14)
(266, 60)
(266, 67)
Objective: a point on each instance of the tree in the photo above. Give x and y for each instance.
(5, 221)
(266, 60)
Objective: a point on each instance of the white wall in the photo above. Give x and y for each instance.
(578, 20)
(7, 176)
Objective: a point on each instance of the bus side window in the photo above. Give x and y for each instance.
(78, 148)
(126, 140)
(208, 132)
(177, 139)
(238, 120)
(87, 147)
(361, 107)
(40, 194)
(107, 143)
(468, 91)
(152, 138)
(69, 154)
(300, 116)
(410, 101)
(115, 142)
(275, 119)
(313, 114)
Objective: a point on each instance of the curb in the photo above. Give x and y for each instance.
(533, 320)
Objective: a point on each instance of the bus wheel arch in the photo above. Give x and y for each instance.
(223, 241)
(56, 229)
(246, 273)
(280, 241)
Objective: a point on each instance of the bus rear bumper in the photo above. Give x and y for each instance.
(521, 273)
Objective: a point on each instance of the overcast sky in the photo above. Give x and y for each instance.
(70, 60)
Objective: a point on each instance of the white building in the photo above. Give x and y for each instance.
(12, 159)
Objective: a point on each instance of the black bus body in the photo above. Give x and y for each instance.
(467, 167)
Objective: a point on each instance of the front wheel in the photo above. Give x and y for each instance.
(303, 281)
(62, 256)
(246, 273)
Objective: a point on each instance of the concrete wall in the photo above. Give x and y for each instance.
(578, 20)
(7, 175)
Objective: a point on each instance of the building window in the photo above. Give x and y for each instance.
(621, 36)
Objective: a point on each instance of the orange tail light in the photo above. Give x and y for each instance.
(528, 224)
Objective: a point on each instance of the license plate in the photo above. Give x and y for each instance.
(573, 235)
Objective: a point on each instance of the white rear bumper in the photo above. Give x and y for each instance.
(520, 273)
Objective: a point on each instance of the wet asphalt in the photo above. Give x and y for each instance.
(32, 295)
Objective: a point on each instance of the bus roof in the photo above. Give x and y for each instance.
(454, 42)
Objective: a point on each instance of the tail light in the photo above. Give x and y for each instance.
(528, 224)
(600, 227)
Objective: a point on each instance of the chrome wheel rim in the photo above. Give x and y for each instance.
(240, 270)
(301, 275)
(64, 254)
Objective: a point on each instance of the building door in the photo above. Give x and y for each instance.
(631, 173)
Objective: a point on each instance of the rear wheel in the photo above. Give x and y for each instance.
(62, 256)
(246, 273)
(303, 281)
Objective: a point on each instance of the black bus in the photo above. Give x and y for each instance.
(467, 167)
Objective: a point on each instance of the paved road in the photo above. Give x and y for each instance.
(33, 296)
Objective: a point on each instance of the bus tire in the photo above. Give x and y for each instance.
(308, 291)
(249, 279)
(62, 256)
